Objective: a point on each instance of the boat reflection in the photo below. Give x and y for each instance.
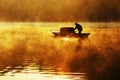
(37, 72)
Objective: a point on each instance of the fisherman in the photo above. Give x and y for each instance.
(79, 27)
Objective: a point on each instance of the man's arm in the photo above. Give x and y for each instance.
(75, 28)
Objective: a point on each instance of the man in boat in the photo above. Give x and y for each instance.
(78, 27)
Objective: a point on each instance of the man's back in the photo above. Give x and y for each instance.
(78, 26)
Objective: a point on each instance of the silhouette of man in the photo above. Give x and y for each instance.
(79, 27)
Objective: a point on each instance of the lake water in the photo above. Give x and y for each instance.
(28, 51)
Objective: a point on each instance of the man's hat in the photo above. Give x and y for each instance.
(76, 23)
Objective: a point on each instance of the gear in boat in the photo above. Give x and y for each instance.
(69, 32)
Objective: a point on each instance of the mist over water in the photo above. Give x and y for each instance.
(22, 44)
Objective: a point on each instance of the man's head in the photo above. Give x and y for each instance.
(76, 23)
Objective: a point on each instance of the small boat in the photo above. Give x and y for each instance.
(69, 32)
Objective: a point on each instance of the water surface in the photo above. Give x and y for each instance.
(29, 51)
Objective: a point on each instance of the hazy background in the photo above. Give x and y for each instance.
(59, 10)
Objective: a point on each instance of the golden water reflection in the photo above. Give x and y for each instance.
(37, 72)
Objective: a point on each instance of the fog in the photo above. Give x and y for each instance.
(60, 10)
(98, 56)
